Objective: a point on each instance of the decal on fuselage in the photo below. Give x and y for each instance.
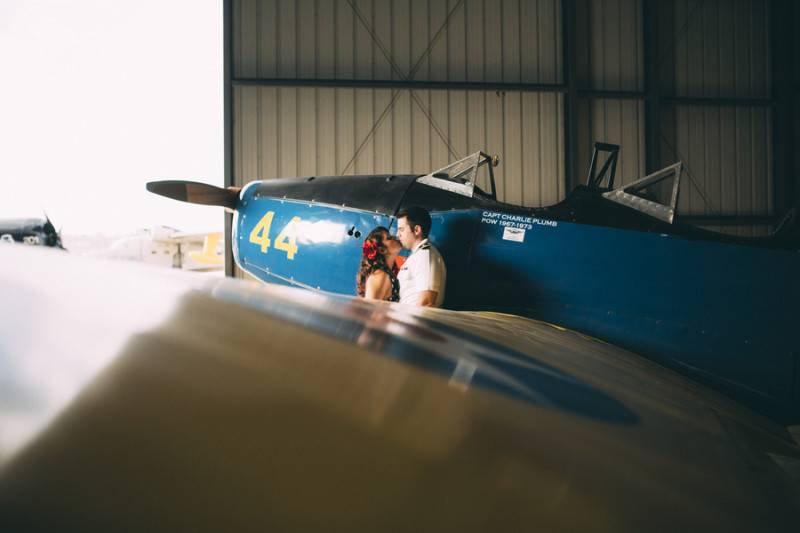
(513, 234)
(509, 220)
(286, 240)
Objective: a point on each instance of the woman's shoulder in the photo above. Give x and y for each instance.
(378, 273)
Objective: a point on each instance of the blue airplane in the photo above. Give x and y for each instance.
(616, 263)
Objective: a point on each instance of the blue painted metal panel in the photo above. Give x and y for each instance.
(328, 240)
(718, 311)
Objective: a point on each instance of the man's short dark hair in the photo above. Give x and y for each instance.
(417, 216)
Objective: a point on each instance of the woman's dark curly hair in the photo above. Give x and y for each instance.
(373, 257)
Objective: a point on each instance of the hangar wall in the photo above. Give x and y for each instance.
(362, 86)
(724, 53)
(329, 130)
(289, 131)
(707, 51)
(482, 40)
(610, 60)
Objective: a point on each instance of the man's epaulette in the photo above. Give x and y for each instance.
(425, 247)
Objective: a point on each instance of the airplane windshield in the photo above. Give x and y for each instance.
(460, 177)
(655, 195)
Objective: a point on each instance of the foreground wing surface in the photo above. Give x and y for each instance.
(141, 400)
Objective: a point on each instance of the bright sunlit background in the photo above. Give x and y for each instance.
(98, 97)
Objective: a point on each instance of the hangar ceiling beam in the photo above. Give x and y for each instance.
(614, 95)
(731, 220)
(482, 86)
(718, 101)
(410, 84)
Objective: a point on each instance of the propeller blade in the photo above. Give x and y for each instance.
(196, 193)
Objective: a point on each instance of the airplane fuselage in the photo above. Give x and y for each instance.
(719, 311)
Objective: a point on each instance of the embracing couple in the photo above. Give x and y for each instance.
(421, 278)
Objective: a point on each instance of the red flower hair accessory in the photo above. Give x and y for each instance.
(370, 250)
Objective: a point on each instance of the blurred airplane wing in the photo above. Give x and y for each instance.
(211, 255)
(151, 400)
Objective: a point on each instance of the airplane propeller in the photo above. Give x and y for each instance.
(196, 193)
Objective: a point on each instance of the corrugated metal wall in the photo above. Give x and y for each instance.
(727, 159)
(621, 122)
(304, 131)
(611, 58)
(513, 41)
(291, 131)
(722, 49)
(616, 45)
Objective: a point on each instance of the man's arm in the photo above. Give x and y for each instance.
(427, 298)
(429, 278)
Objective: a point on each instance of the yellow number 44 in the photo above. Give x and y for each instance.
(286, 240)
(260, 233)
(289, 246)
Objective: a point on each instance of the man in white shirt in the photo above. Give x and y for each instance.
(422, 277)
